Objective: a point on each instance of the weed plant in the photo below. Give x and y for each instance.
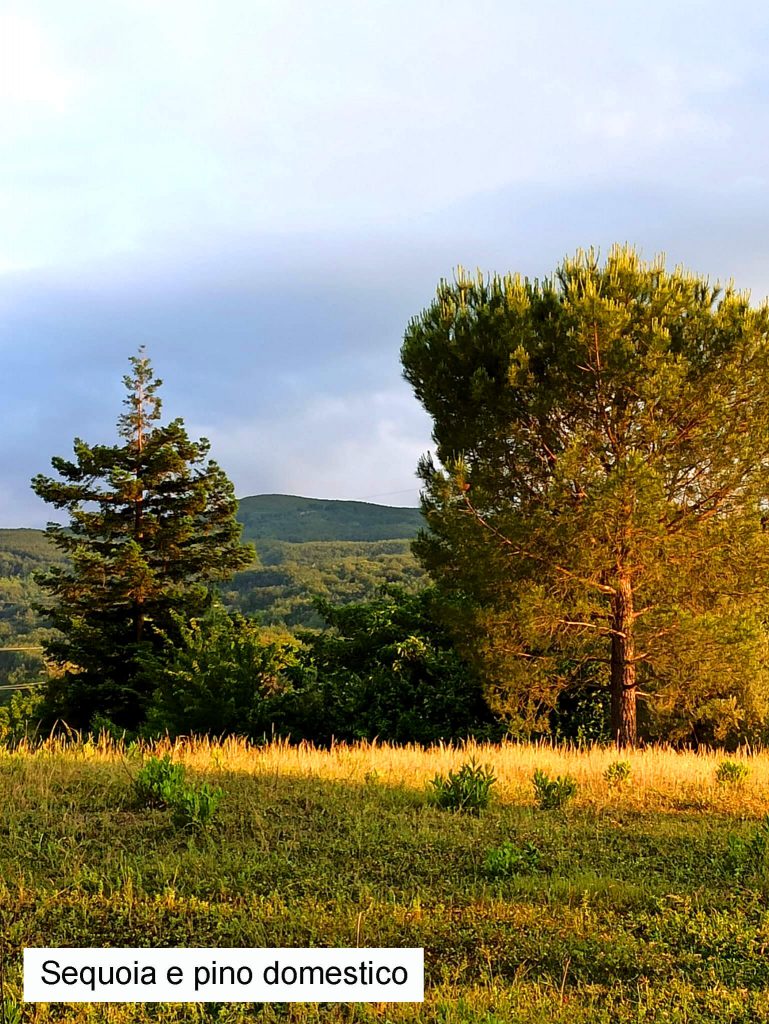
(552, 794)
(468, 789)
(510, 859)
(617, 773)
(731, 773)
(161, 783)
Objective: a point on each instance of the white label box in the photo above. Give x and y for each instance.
(291, 975)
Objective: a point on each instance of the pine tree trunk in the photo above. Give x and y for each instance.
(623, 680)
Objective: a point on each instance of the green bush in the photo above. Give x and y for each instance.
(508, 860)
(731, 773)
(194, 806)
(550, 794)
(223, 674)
(159, 782)
(20, 717)
(468, 789)
(617, 773)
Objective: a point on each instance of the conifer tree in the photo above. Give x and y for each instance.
(151, 526)
(598, 504)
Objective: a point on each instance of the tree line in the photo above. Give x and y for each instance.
(596, 539)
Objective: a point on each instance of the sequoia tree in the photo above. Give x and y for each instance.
(598, 503)
(151, 526)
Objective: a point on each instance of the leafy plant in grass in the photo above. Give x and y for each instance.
(161, 783)
(468, 789)
(731, 773)
(746, 857)
(194, 806)
(550, 794)
(617, 773)
(10, 1012)
(508, 860)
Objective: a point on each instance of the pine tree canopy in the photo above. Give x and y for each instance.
(598, 501)
(151, 526)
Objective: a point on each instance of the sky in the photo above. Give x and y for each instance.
(263, 193)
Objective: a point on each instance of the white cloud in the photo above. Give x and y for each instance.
(360, 447)
(32, 76)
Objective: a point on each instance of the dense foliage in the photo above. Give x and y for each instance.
(388, 669)
(151, 523)
(599, 503)
(225, 675)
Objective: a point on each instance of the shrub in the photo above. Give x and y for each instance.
(551, 794)
(731, 773)
(468, 789)
(194, 806)
(617, 773)
(225, 674)
(159, 782)
(508, 860)
(20, 717)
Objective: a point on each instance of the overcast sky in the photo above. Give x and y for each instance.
(264, 192)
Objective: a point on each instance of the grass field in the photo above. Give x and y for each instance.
(642, 901)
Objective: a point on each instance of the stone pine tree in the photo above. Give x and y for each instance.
(598, 502)
(151, 526)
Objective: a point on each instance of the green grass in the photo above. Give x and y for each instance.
(634, 913)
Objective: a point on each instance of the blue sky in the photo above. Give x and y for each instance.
(264, 192)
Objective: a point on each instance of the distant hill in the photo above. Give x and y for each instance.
(22, 551)
(306, 547)
(264, 517)
(289, 518)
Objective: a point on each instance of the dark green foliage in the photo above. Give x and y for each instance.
(552, 794)
(467, 789)
(223, 674)
(511, 859)
(388, 669)
(289, 518)
(151, 525)
(598, 498)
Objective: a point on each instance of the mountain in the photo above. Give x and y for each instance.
(287, 517)
(264, 517)
(306, 548)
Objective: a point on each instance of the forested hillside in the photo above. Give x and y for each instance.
(287, 517)
(340, 550)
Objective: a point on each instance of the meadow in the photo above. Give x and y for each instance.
(643, 899)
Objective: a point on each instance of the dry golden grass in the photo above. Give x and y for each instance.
(661, 779)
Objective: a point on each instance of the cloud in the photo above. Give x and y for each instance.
(264, 194)
(362, 447)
